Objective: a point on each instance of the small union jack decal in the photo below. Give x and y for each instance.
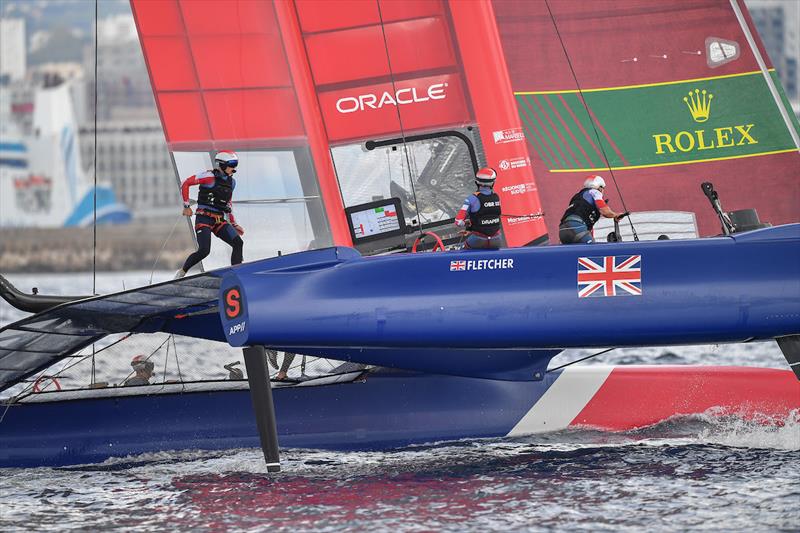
(610, 275)
(458, 265)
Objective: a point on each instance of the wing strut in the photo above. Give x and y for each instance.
(255, 360)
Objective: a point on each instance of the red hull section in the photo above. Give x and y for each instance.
(633, 397)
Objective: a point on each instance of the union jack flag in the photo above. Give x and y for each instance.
(610, 275)
(458, 265)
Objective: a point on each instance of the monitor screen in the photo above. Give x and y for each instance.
(376, 220)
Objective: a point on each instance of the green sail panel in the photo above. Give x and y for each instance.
(654, 125)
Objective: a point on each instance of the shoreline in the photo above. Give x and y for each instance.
(135, 246)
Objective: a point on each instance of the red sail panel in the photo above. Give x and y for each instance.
(209, 88)
(231, 85)
(355, 58)
(635, 61)
(496, 113)
(383, 69)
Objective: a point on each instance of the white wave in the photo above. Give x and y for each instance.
(741, 433)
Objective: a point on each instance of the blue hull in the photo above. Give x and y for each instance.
(387, 410)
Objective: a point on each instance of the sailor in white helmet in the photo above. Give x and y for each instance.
(480, 214)
(585, 208)
(214, 209)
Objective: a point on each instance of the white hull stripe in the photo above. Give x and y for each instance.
(562, 402)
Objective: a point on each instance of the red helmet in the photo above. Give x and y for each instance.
(140, 361)
(486, 177)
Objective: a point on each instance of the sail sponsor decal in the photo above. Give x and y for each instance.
(519, 188)
(653, 125)
(461, 265)
(514, 162)
(699, 104)
(404, 96)
(510, 135)
(370, 110)
(610, 275)
(720, 51)
(516, 220)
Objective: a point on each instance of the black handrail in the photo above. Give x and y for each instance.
(32, 303)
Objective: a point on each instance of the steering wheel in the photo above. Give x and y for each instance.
(38, 384)
(437, 247)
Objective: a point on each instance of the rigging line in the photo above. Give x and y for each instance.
(57, 374)
(164, 245)
(94, 192)
(591, 120)
(399, 118)
(147, 358)
(581, 359)
(178, 363)
(166, 362)
(94, 169)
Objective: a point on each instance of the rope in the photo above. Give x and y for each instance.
(94, 168)
(400, 120)
(57, 374)
(594, 126)
(163, 246)
(94, 195)
(148, 358)
(581, 359)
(178, 363)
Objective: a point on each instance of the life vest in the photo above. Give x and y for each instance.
(486, 220)
(219, 195)
(578, 206)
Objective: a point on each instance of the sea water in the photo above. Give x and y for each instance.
(696, 472)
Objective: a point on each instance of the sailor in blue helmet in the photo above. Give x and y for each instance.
(585, 208)
(480, 214)
(214, 209)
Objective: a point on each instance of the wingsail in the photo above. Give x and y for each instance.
(661, 95)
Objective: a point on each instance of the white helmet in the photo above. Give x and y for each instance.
(485, 177)
(226, 158)
(594, 182)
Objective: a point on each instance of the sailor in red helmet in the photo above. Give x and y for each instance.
(480, 214)
(214, 209)
(585, 208)
(143, 369)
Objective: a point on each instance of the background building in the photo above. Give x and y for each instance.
(132, 157)
(778, 24)
(13, 62)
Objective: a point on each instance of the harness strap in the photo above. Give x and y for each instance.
(219, 221)
(484, 236)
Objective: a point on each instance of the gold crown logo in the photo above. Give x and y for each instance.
(699, 104)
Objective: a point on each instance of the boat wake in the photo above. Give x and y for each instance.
(564, 479)
(704, 430)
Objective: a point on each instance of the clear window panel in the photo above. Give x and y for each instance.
(431, 177)
(278, 208)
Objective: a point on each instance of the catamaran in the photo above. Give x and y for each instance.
(357, 144)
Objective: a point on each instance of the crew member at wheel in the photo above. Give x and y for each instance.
(143, 371)
(480, 214)
(585, 208)
(214, 210)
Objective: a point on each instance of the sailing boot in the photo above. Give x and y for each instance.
(179, 274)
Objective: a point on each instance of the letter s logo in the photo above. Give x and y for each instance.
(233, 303)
